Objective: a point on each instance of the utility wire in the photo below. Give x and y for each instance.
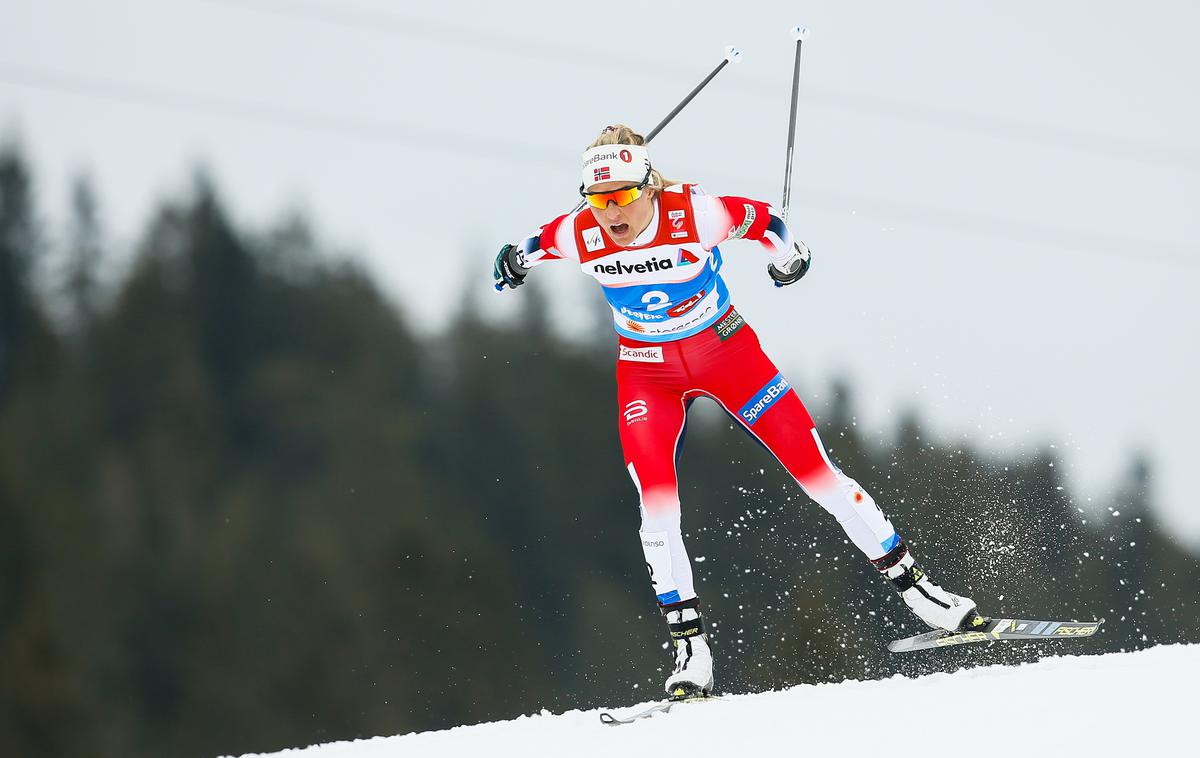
(473, 145)
(547, 49)
(432, 31)
(276, 115)
(995, 227)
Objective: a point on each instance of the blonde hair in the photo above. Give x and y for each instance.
(619, 134)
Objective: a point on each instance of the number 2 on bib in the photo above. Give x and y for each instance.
(656, 300)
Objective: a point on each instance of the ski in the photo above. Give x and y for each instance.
(983, 629)
(650, 710)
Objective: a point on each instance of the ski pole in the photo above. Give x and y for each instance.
(799, 33)
(732, 55)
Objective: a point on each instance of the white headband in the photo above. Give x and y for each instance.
(615, 163)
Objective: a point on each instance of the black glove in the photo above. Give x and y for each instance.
(793, 269)
(508, 269)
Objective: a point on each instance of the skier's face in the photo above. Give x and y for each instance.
(623, 224)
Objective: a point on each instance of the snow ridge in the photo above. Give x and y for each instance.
(1119, 704)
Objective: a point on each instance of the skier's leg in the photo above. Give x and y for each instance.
(763, 401)
(791, 435)
(653, 404)
(652, 420)
(754, 392)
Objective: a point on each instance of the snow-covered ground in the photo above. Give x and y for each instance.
(1127, 704)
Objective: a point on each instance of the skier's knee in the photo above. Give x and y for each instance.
(660, 508)
(842, 497)
(660, 519)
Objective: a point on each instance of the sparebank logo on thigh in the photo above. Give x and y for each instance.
(752, 411)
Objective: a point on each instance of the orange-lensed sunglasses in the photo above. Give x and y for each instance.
(622, 197)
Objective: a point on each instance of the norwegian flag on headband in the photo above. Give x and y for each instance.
(602, 174)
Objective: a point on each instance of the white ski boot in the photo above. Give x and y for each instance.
(693, 675)
(931, 603)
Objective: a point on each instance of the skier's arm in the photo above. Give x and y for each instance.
(732, 217)
(550, 242)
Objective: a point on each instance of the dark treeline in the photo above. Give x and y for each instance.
(243, 507)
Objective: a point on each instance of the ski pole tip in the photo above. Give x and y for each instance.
(800, 33)
(732, 54)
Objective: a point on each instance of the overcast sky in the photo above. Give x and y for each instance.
(1001, 198)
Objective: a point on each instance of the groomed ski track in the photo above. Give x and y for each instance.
(1126, 704)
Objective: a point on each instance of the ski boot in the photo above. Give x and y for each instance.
(693, 674)
(931, 603)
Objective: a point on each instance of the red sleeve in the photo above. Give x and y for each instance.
(748, 218)
(551, 242)
(549, 234)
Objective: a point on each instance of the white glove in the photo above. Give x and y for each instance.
(791, 269)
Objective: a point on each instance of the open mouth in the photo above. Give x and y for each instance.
(618, 229)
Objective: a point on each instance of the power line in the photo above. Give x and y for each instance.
(428, 30)
(469, 144)
(1029, 232)
(425, 29)
(276, 115)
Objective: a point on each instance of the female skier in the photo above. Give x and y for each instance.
(652, 246)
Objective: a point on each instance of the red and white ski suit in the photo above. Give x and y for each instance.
(679, 339)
